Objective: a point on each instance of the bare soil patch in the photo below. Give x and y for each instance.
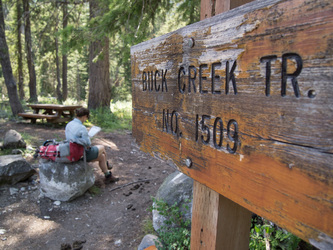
(112, 218)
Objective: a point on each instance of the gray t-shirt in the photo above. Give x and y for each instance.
(76, 132)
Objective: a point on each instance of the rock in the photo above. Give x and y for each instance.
(177, 187)
(13, 139)
(78, 244)
(118, 243)
(13, 191)
(65, 181)
(65, 246)
(14, 168)
(57, 203)
(147, 241)
(17, 151)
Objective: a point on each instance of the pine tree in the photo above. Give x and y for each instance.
(99, 74)
(64, 56)
(30, 56)
(19, 49)
(7, 68)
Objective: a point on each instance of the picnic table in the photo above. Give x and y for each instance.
(53, 113)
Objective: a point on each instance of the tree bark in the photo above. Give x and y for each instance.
(7, 68)
(19, 50)
(59, 92)
(30, 60)
(99, 74)
(64, 56)
(78, 86)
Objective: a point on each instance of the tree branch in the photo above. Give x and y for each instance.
(134, 182)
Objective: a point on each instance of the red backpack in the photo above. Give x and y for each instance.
(61, 151)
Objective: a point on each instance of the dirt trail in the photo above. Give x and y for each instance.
(112, 219)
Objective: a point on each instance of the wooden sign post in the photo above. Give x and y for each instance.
(242, 102)
(218, 222)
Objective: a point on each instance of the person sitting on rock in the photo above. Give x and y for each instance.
(76, 132)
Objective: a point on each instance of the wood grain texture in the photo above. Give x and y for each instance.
(219, 222)
(282, 167)
(213, 7)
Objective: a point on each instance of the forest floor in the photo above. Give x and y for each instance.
(111, 216)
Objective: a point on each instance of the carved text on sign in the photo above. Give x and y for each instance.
(149, 81)
(172, 119)
(246, 109)
(192, 77)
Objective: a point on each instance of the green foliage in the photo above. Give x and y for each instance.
(121, 93)
(189, 11)
(28, 138)
(175, 233)
(264, 232)
(6, 151)
(148, 227)
(125, 23)
(31, 142)
(118, 118)
(94, 190)
(5, 110)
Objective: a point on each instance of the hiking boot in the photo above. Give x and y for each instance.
(110, 178)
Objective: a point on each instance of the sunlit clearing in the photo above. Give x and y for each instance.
(30, 225)
(106, 143)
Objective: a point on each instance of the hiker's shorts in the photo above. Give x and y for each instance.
(92, 153)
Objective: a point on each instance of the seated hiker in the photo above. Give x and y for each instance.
(75, 131)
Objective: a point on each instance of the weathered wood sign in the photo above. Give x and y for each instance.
(243, 103)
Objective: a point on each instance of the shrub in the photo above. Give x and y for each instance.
(264, 232)
(175, 232)
(119, 117)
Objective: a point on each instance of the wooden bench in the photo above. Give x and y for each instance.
(34, 117)
(52, 113)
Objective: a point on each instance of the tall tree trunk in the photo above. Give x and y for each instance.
(19, 49)
(59, 92)
(99, 74)
(78, 85)
(7, 68)
(30, 60)
(64, 56)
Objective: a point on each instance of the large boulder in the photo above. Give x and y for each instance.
(147, 241)
(13, 169)
(177, 187)
(13, 139)
(65, 181)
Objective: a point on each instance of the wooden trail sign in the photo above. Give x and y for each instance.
(243, 103)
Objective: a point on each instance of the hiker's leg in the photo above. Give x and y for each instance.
(101, 150)
(102, 159)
